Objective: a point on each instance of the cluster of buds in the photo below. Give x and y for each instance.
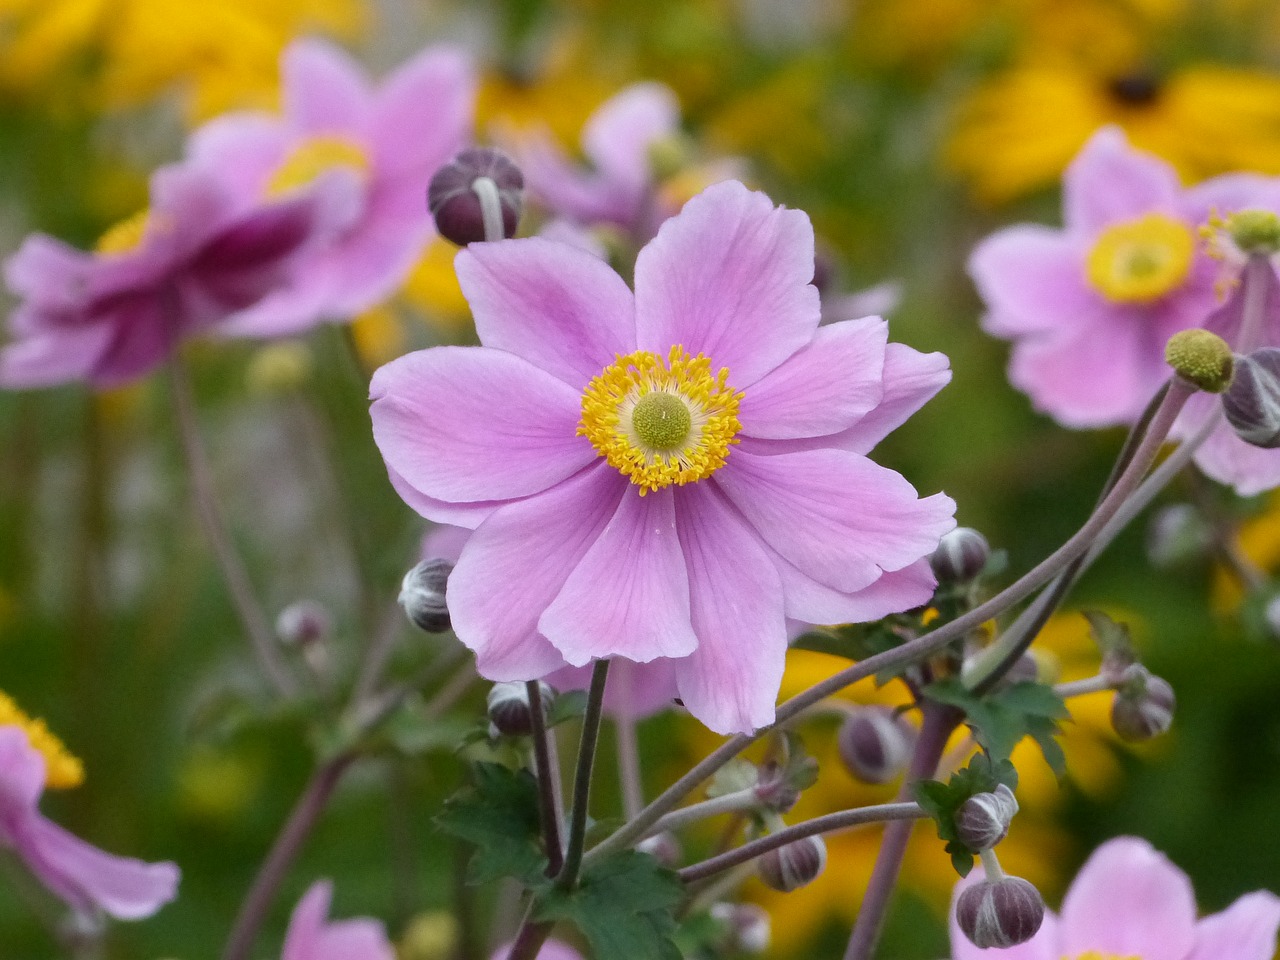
(1143, 706)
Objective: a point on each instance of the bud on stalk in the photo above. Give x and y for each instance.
(476, 196)
(1000, 913)
(792, 866)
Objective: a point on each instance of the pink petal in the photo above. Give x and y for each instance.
(1224, 457)
(1230, 193)
(48, 271)
(551, 950)
(1032, 280)
(242, 150)
(517, 561)
(635, 690)
(1109, 182)
(1246, 930)
(822, 388)
(463, 424)
(466, 515)
(812, 602)
(87, 877)
(730, 682)
(838, 517)
(1043, 946)
(1129, 900)
(560, 308)
(619, 135)
(911, 379)
(728, 277)
(22, 773)
(566, 189)
(325, 90)
(49, 358)
(629, 596)
(423, 113)
(306, 924)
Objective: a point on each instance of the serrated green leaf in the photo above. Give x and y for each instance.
(499, 814)
(1111, 637)
(1034, 699)
(569, 705)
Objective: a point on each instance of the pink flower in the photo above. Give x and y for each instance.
(551, 950)
(194, 258)
(389, 140)
(312, 937)
(1090, 307)
(84, 876)
(670, 474)
(1128, 901)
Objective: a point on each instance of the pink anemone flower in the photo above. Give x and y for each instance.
(85, 877)
(1128, 901)
(311, 936)
(665, 474)
(389, 140)
(194, 258)
(551, 950)
(1090, 307)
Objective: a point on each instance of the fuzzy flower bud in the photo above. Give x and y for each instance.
(1255, 231)
(792, 866)
(508, 708)
(302, 623)
(1000, 913)
(1201, 358)
(457, 202)
(422, 594)
(749, 929)
(961, 556)
(875, 744)
(1143, 708)
(983, 820)
(1252, 402)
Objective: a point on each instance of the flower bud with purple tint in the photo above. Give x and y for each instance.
(422, 594)
(1252, 402)
(792, 866)
(1144, 708)
(875, 744)
(961, 556)
(983, 820)
(457, 196)
(1000, 913)
(508, 708)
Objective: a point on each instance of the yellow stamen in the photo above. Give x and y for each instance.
(125, 236)
(62, 770)
(1141, 260)
(1097, 955)
(661, 422)
(314, 157)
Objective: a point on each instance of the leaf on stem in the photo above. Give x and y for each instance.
(499, 814)
(942, 800)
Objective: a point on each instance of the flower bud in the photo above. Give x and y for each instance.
(749, 929)
(1000, 913)
(774, 789)
(1201, 358)
(508, 708)
(1252, 402)
(983, 820)
(458, 208)
(422, 594)
(875, 744)
(663, 847)
(1144, 708)
(1255, 231)
(302, 623)
(961, 556)
(792, 866)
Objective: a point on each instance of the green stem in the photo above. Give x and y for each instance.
(547, 807)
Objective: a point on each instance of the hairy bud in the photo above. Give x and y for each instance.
(792, 866)
(961, 556)
(1202, 358)
(1143, 708)
(875, 744)
(983, 820)
(302, 623)
(749, 929)
(422, 594)
(458, 207)
(508, 707)
(1252, 402)
(1000, 913)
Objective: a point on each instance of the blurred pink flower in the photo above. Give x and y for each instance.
(193, 259)
(669, 474)
(389, 140)
(84, 876)
(551, 950)
(312, 937)
(1090, 307)
(1128, 901)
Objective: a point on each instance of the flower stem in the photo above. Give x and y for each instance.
(825, 824)
(547, 806)
(1079, 688)
(629, 777)
(252, 617)
(727, 803)
(568, 875)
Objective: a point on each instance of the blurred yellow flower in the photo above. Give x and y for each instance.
(219, 53)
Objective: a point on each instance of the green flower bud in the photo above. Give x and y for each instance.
(1255, 231)
(1201, 358)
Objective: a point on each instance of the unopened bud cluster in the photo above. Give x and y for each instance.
(875, 744)
(1143, 707)
(422, 594)
(1000, 913)
(983, 820)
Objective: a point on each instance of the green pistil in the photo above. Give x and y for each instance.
(661, 420)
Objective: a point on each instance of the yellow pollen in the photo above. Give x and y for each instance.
(1141, 260)
(1097, 955)
(661, 422)
(314, 157)
(62, 770)
(125, 236)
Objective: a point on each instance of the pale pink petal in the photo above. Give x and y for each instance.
(444, 541)
(1032, 280)
(730, 682)
(551, 950)
(517, 561)
(22, 773)
(48, 270)
(1043, 946)
(1226, 458)
(911, 379)
(1230, 193)
(634, 690)
(566, 189)
(359, 939)
(423, 113)
(1129, 900)
(629, 595)
(467, 515)
(809, 601)
(243, 150)
(53, 357)
(822, 388)
(1109, 182)
(561, 309)
(1246, 930)
(306, 924)
(729, 277)
(839, 517)
(463, 424)
(619, 135)
(87, 877)
(325, 90)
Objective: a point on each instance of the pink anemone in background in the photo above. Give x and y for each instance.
(312, 936)
(665, 475)
(388, 139)
(85, 877)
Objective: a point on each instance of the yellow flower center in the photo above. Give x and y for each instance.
(1097, 955)
(659, 421)
(1141, 260)
(62, 770)
(125, 236)
(314, 157)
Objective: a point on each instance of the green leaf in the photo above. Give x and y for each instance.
(569, 705)
(1112, 638)
(499, 814)
(1002, 717)
(624, 905)
(942, 800)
